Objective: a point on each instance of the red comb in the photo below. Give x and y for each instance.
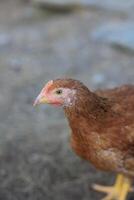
(47, 86)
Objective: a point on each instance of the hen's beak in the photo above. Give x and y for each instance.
(40, 100)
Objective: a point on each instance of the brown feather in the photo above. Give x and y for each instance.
(102, 125)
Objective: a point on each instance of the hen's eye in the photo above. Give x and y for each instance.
(59, 91)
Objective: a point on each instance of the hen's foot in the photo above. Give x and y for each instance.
(117, 192)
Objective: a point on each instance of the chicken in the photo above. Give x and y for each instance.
(102, 128)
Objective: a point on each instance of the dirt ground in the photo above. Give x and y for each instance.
(36, 161)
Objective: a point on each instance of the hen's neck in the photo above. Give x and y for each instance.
(89, 107)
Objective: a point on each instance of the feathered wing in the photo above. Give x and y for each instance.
(122, 103)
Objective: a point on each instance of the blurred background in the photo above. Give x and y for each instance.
(89, 40)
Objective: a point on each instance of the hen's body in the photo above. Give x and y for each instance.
(105, 135)
(102, 126)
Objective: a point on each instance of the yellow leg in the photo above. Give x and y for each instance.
(125, 188)
(117, 192)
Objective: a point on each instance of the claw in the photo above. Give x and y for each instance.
(117, 192)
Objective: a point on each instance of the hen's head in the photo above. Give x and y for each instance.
(62, 92)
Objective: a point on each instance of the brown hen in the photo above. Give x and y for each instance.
(102, 126)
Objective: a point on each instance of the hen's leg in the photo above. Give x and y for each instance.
(126, 187)
(117, 192)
